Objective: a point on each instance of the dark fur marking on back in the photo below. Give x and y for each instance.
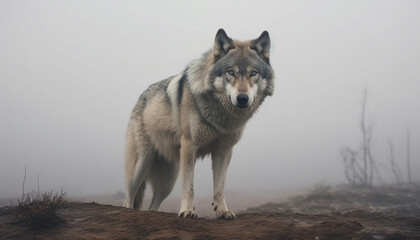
(181, 86)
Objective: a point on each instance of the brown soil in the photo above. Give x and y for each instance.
(403, 201)
(96, 221)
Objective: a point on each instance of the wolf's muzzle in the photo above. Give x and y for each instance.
(242, 100)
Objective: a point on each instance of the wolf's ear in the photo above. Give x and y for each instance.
(222, 44)
(262, 46)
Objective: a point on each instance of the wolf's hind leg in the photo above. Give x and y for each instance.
(163, 175)
(136, 181)
(138, 199)
(139, 156)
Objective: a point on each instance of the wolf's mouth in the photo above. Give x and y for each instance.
(241, 106)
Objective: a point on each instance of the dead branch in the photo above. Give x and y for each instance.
(23, 184)
(394, 167)
(408, 156)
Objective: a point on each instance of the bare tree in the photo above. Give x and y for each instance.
(37, 180)
(23, 184)
(408, 155)
(354, 172)
(394, 167)
(360, 166)
(366, 132)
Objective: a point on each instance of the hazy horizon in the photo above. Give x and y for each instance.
(72, 71)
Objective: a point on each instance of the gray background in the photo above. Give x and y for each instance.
(71, 72)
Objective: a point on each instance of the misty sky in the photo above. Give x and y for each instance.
(71, 72)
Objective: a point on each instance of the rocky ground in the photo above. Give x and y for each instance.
(326, 213)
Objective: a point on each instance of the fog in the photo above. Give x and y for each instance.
(71, 72)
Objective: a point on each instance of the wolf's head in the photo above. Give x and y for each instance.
(241, 70)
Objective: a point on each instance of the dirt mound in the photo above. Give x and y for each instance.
(401, 201)
(95, 221)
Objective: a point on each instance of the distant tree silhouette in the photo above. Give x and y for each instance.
(394, 167)
(408, 156)
(360, 165)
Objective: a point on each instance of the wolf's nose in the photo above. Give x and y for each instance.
(242, 99)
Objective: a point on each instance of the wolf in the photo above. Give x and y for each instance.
(201, 111)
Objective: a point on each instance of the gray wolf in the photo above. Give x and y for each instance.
(201, 111)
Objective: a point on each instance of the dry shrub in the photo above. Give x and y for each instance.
(37, 211)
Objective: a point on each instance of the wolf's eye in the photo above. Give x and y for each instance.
(253, 73)
(231, 72)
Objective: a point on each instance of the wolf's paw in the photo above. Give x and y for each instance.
(188, 214)
(225, 214)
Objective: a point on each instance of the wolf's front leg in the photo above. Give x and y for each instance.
(221, 159)
(187, 173)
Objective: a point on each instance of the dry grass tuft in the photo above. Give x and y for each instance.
(38, 211)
